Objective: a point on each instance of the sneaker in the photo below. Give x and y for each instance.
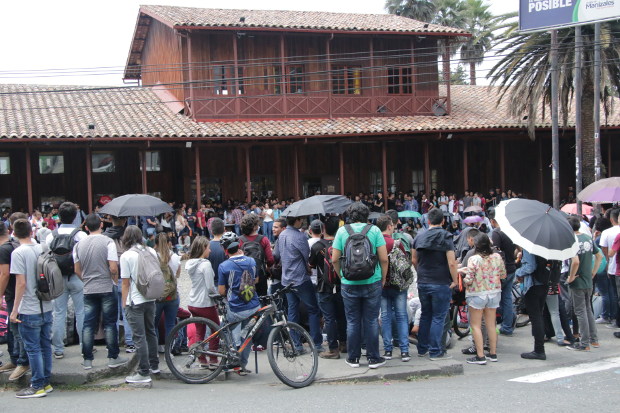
(442, 356)
(492, 357)
(209, 366)
(161, 349)
(7, 367)
(30, 393)
(564, 343)
(59, 354)
(138, 378)
(612, 326)
(423, 354)
(405, 357)
(48, 388)
(117, 362)
(257, 348)
(387, 355)
(19, 372)
(505, 333)
(617, 334)
(231, 369)
(376, 363)
(534, 356)
(130, 349)
(469, 351)
(88, 364)
(602, 320)
(579, 347)
(477, 360)
(330, 354)
(595, 344)
(243, 371)
(353, 362)
(155, 371)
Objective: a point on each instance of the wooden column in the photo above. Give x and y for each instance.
(341, 162)
(198, 183)
(279, 172)
(89, 179)
(329, 75)
(465, 166)
(143, 163)
(29, 180)
(540, 169)
(384, 176)
(190, 73)
(236, 76)
(296, 172)
(283, 75)
(371, 46)
(248, 178)
(414, 77)
(502, 165)
(427, 169)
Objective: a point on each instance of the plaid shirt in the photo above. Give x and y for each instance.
(237, 216)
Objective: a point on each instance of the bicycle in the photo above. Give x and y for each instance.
(291, 352)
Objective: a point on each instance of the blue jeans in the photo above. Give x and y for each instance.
(106, 306)
(435, 303)
(232, 317)
(75, 288)
(362, 304)
(306, 293)
(505, 305)
(607, 288)
(170, 309)
(122, 313)
(394, 308)
(335, 325)
(268, 230)
(36, 332)
(15, 344)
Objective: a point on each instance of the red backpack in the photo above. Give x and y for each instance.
(329, 272)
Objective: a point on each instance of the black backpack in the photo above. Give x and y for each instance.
(358, 262)
(62, 248)
(547, 272)
(254, 250)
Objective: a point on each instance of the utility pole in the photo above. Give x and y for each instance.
(597, 101)
(578, 125)
(555, 140)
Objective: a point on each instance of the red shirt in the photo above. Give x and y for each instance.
(616, 247)
(389, 244)
(201, 216)
(264, 242)
(51, 224)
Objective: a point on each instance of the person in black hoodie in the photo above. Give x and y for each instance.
(116, 232)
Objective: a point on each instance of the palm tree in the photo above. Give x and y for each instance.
(524, 77)
(422, 10)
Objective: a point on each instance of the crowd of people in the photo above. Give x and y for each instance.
(232, 247)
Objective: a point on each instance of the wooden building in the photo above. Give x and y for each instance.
(238, 103)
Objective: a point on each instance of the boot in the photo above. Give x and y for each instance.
(330, 354)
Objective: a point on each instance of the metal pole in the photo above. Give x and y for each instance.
(597, 101)
(578, 126)
(555, 141)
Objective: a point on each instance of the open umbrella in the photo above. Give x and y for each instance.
(572, 209)
(131, 205)
(318, 204)
(375, 215)
(409, 214)
(473, 219)
(473, 208)
(602, 191)
(538, 228)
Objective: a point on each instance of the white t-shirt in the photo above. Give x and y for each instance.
(313, 275)
(607, 240)
(129, 269)
(66, 229)
(268, 214)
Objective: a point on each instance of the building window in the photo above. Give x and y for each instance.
(347, 80)
(5, 164)
(417, 180)
(224, 80)
(103, 162)
(295, 79)
(376, 182)
(153, 161)
(51, 163)
(399, 81)
(272, 80)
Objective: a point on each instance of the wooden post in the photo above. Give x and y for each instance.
(414, 77)
(329, 75)
(384, 176)
(341, 162)
(198, 183)
(248, 178)
(296, 172)
(283, 76)
(89, 179)
(29, 180)
(427, 169)
(465, 166)
(502, 165)
(279, 172)
(143, 163)
(236, 76)
(373, 104)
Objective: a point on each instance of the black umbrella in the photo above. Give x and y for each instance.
(537, 228)
(318, 204)
(132, 205)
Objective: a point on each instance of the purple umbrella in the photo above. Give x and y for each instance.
(473, 219)
(602, 191)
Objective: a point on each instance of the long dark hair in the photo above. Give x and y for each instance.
(482, 243)
(132, 236)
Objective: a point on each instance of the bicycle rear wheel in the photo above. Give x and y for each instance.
(460, 323)
(206, 355)
(292, 355)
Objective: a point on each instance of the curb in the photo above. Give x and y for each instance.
(445, 370)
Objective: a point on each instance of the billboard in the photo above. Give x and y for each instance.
(537, 15)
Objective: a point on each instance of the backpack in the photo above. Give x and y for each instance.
(4, 322)
(247, 287)
(330, 275)
(62, 248)
(405, 241)
(50, 280)
(150, 279)
(358, 261)
(400, 272)
(547, 272)
(254, 250)
(170, 284)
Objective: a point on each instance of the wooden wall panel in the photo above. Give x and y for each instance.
(161, 58)
(426, 65)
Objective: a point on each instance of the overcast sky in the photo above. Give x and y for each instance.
(68, 35)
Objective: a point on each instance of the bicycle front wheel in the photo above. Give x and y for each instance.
(292, 355)
(460, 322)
(205, 355)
